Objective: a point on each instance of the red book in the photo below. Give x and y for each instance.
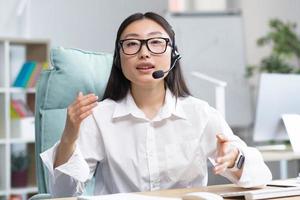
(18, 108)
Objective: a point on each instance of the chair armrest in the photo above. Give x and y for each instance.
(40, 196)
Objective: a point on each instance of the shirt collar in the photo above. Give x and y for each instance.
(171, 107)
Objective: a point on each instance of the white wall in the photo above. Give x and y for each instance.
(85, 24)
(257, 13)
(92, 24)
(8, 19)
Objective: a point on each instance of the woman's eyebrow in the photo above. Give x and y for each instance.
(155, 33)
(131, 35)
(136, 35)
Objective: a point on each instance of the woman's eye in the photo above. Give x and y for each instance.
(156, 42)
(132, 44)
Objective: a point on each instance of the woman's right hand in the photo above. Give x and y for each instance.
(76, 113)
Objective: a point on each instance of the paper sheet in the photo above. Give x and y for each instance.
(292, 125)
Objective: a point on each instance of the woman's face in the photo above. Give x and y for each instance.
(138, 68)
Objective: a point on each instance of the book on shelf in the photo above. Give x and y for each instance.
(15, 197)
(22, 120)
(19, 109)
(35, 75)
(29, 74)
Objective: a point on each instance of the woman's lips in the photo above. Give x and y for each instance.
(145, 68)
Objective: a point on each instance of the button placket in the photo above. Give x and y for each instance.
(152, 159)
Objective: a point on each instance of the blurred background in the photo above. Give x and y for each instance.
(225, 44)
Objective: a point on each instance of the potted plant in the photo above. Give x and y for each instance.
(285, 54)
(19, 169)
(283, 60)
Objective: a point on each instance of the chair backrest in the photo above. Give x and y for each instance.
(72, 71)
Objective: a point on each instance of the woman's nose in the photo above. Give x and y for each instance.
(144, 52)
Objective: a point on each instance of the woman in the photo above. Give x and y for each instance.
(148, 133)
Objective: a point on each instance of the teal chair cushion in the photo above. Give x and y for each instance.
(72, 71)
(76, 70)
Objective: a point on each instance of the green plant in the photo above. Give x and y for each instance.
(19, 162)
(285, 46)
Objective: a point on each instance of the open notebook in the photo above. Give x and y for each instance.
(266, 193)
(279, 188)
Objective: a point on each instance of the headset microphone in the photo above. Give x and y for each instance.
(160, 73)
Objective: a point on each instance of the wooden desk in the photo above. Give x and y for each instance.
(181, 192)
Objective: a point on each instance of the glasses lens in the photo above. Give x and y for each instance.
(131, 46)
(157, 45)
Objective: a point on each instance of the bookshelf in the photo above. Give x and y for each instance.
(13, 54)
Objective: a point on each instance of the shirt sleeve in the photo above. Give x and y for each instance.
(251, 177)
(70, 178)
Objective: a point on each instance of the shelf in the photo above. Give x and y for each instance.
(3, 58)
(3, 114)
(26, 190)
(207, 13)
(2, 141)
(2, 193)
(20, 141)
(17, 90)
(14, 52)
(22, 90)
(3, 169)
(23, 41)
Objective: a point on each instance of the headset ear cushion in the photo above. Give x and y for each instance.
(174, 53)
(175, 56)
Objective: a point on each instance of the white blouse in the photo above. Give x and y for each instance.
(127, 152)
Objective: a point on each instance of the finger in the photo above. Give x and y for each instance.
(84, 115)
(220, 168)
(89, 99)
(86, 108)
(226, 158)
(221, 138)
(222, 144)
(81, 96)
(75, 106)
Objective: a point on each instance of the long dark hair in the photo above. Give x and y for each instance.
(118, 85)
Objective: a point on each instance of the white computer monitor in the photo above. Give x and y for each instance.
(278, 94)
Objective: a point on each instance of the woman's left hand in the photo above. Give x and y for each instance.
(226, 154)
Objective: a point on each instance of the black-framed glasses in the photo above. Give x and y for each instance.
(156, 45)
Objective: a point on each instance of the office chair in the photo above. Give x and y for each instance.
(72, 70)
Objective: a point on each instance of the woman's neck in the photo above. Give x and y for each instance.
(149, 100)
